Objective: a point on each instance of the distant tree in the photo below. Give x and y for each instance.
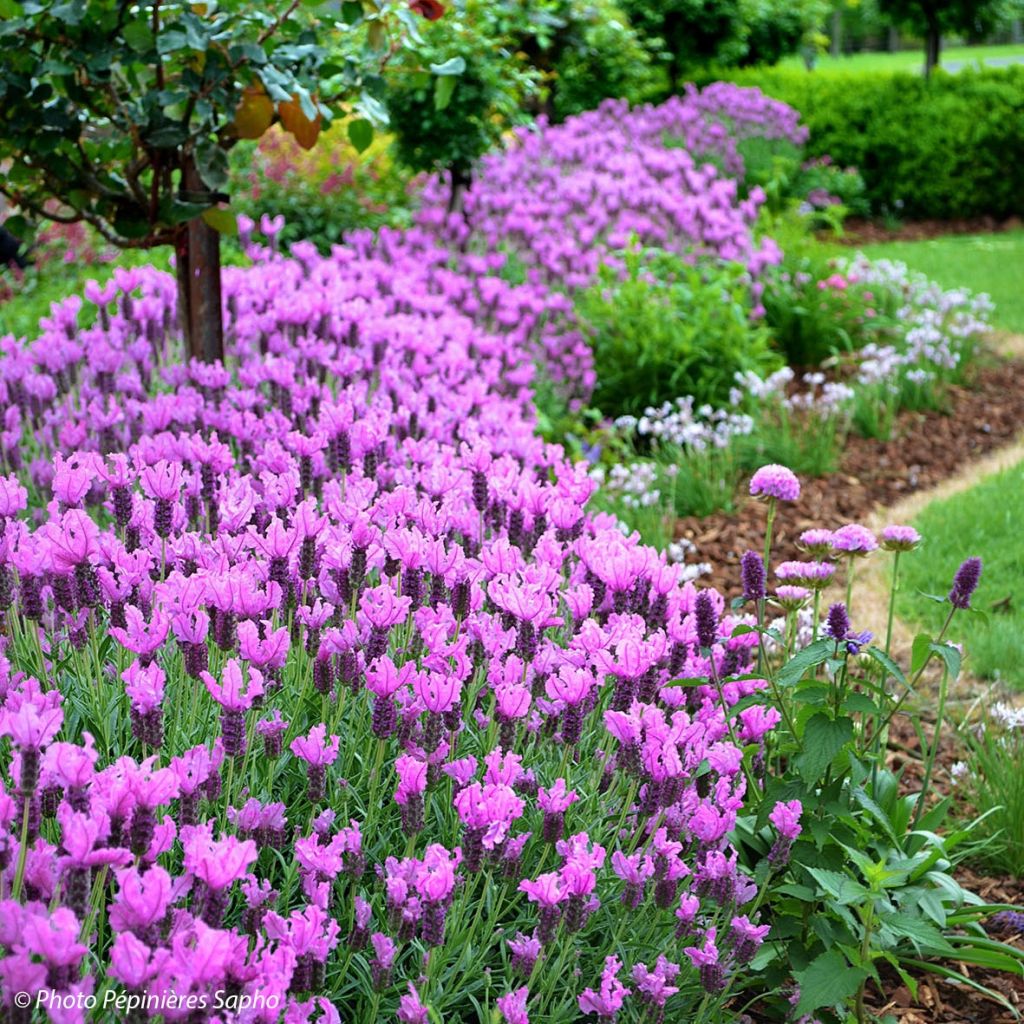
(933, 18)
(121, 114)
(693, 33)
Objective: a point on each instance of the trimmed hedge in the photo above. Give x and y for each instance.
(949, 147)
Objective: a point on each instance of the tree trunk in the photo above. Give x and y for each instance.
(836, 47)
(197, 257)
(932, 47)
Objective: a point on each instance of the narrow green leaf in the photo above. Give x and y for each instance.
(887, 663)
(443, 91)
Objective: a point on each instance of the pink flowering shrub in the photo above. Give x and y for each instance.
(322, 691)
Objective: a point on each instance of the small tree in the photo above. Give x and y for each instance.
(932, 18)
(121, 114)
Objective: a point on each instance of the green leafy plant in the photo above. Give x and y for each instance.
(991, 783)
(321, 193)
(869, 883)
(463, 88)
(662, 327)
(907, 137)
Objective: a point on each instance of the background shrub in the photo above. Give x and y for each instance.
(666, 328)
(949, 147)
(322, 193)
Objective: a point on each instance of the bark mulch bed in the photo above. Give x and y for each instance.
(866, 232)
(926, 448)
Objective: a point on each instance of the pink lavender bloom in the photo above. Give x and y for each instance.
(410, 1008)
(554, 802)
(785, 816)
(900, 538)
(853, 539)
(412, 784)
(775, 481)
(747, 938)
(319, 753)
(525, 951)
(706, 958)
(607, 1002)
(656, 987)
(512, 1006)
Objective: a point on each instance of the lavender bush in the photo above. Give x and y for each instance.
(324, 695)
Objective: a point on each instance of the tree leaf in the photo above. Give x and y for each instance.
(222, 221)
(827, 981)
(360, 134)
(823, 738)
(453, 66)
(212, 165)
(443, 90)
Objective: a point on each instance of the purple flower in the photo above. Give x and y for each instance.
(513, 1006)
(900, 538)
(775, 481)
(853, 539)
(965, 582)
(752, 575)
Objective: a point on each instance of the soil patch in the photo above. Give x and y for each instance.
(925, 449)
(866, 232)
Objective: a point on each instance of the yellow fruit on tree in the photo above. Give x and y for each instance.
(295, 121)
(255, 113)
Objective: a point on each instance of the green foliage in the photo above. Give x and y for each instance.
(952, 146)
(664, 327)
(992, 785)
(323, 193)
(603, 57)
(869, 884)
(453, 100)
(687, 34)
(984, 517)
(107, 105)
(815, 312)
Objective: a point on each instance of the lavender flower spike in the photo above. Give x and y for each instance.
(965, 582)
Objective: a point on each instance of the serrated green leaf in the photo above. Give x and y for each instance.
(827, 981)
(810, 657)
(950, 655)
(822, 740)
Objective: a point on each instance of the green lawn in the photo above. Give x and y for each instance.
(986, 521)
(983, 263)
(908, 60)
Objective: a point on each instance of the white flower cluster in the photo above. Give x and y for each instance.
(936, 324)
(1006, 715)
(681, 424)
(635, 485)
